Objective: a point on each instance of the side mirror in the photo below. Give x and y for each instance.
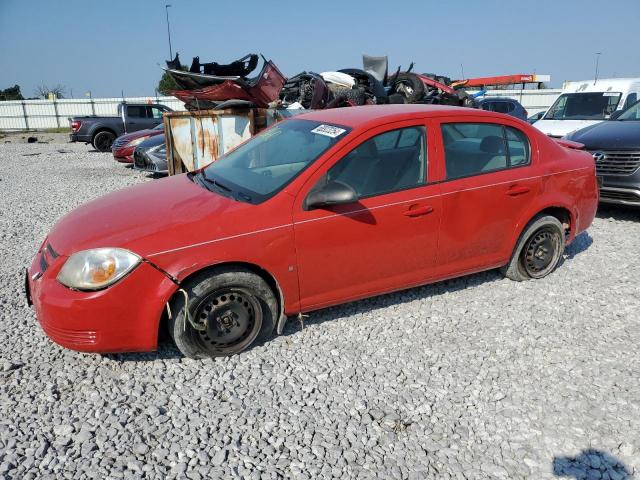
(333, 193)
(615, 114)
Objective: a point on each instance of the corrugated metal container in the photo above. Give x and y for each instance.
(195, 139)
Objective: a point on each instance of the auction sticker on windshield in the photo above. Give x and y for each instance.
(328, 131)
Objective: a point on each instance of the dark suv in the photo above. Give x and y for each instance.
(503, 105)
(615, 146)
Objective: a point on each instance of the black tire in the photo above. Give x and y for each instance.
(538, 251)
(103, 140)
(409, 86)
(236, 307)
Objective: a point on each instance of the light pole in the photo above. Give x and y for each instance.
(595, 79)
(166, 9)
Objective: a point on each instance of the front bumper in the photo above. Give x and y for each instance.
(621, 189)
(121, 318)
(148, 162)
(124, 154)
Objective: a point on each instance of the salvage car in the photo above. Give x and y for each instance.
(325, 208)
(502, 105)
(151, 155)
(124, 146)
(615, 146)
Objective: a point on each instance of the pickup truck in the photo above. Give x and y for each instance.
(102, 131)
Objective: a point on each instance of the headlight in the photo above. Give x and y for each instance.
(136, 142)
(97, 268)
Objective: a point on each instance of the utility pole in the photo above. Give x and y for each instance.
(595, 78)
(166, 9)
(462, 70)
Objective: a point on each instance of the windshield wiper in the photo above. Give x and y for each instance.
(209, 184)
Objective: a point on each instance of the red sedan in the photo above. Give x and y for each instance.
(326, 208)
(124, 146)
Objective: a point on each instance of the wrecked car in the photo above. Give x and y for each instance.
(218, 83)
(124, 146)
(318, 210)
(151, 155)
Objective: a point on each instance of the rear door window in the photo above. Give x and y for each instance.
(476, 148)
(503, 107)
(137, 111)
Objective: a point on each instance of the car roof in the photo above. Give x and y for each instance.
(380, 114)
(497, 99)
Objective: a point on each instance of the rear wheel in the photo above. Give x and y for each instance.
(103, 140)
(229, 309)
(538, 251)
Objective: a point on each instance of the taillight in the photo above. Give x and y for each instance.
(75, 125)
(526, 114)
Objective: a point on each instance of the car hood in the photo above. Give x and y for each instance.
(150, 218)
(560, 128)
(140, 133)
(610, 135)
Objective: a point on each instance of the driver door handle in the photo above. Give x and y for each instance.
(416, 212)
(515, 191)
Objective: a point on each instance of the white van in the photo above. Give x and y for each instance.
(588, 102)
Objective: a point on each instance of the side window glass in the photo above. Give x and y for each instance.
(388, 140)
(136, 111)
(156, 113)
(519, 151)
(631, 99)
(473, 148)
(389, 162)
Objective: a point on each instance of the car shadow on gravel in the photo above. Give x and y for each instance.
(589, 464)
(166, 351)
(618, 212)
(581, 243)
(391, 299)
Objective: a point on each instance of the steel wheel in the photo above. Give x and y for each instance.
(540, 253)
(228, 320)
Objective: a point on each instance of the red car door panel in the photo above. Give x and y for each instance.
(381, 243)
(481, 210)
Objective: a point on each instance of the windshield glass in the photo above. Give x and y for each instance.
(262, 166)
(158, 127)
(631, 113)
(583, 106)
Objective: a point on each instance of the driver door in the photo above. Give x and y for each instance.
(387, 239)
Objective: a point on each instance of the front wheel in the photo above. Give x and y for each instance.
(229, 310)
(538, 251)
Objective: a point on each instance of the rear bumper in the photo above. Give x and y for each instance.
(621, 189)
(121, 318)
(74, 137)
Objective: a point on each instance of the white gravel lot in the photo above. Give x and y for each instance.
(478, 377)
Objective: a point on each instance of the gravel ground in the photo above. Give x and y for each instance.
(478, 377)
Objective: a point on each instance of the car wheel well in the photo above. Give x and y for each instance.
(103, 129)
(562, 214)
(261, 272)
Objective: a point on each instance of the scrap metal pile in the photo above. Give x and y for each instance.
(214, 85)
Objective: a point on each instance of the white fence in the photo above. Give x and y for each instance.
(41, 114)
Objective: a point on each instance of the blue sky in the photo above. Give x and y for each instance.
(113, 46)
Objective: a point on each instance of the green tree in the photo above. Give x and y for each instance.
(11, 93)
(167, 84)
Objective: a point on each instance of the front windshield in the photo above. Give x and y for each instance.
(631, 113)
(583, 106)
(262, 166)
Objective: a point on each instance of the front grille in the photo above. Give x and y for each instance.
(616, 162)
(620, 196)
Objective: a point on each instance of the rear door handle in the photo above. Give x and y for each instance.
(514, 191)
(416, 212)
